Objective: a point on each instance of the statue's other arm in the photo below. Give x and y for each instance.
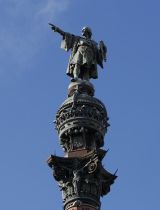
(56, 29)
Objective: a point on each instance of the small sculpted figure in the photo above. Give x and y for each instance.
(85, 55)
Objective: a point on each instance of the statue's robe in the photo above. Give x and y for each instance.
(84, 52)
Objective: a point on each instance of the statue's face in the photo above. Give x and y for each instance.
(86, 32)
(83, 31)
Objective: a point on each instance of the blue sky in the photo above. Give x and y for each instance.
(33, 85)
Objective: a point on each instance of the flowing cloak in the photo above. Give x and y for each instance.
(84, 52)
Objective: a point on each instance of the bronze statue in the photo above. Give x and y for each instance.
(85, 56)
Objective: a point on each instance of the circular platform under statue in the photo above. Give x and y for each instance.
(82, 86)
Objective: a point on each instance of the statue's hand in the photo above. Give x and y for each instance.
(53, 27)
(56, 29)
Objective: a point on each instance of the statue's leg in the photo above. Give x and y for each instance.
(86, 74)
(76, 71)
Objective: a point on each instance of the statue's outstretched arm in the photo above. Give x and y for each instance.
(56, 29)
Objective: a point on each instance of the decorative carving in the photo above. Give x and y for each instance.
(81, 177)
(81, 122)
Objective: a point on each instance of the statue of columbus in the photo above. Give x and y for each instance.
(85, 55)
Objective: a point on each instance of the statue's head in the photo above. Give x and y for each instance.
(87, 32)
